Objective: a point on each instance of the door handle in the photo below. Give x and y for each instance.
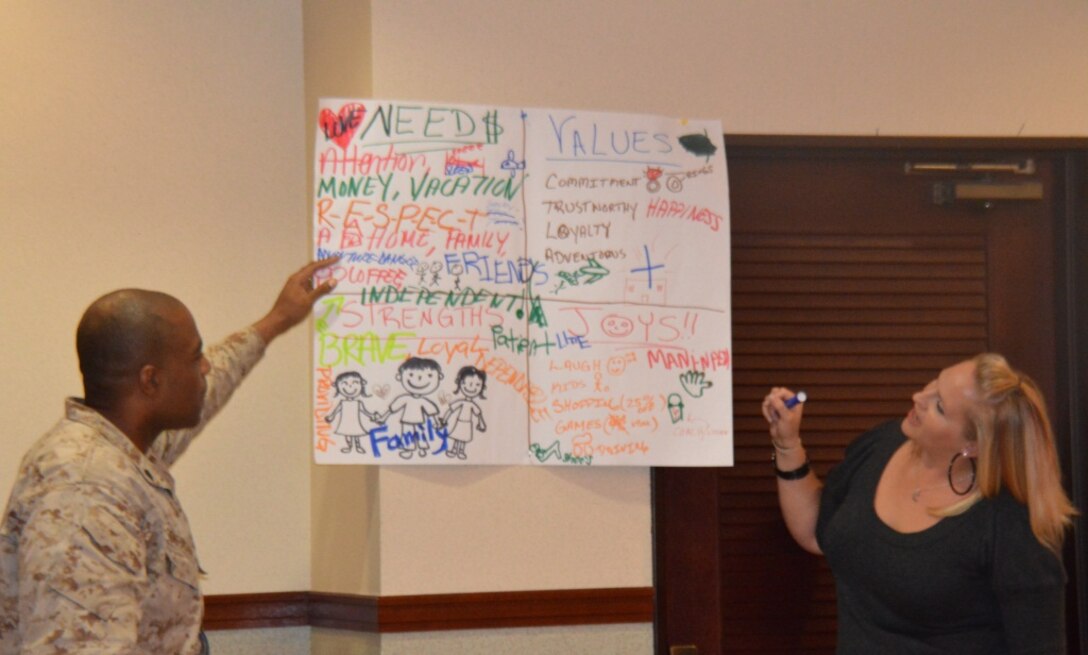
(985, 192)
(1026, 167)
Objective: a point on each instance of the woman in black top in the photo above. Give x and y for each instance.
(944, 529)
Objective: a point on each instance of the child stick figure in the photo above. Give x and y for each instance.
(419, 376)
(464, 415)
(351, 412)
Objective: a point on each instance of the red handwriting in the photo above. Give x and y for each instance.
(361, 162)
(684, 211)
(372, 275)
(457, 166)
(670, 359)
(644, 325)
(322, 407)
(411, 216)
(465, 349)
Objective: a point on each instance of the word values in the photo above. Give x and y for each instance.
(577, 138)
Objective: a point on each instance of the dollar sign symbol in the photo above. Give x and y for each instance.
(491, 123)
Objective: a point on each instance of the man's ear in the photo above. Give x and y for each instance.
(148, 380)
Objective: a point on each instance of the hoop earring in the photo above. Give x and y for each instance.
(974, 474)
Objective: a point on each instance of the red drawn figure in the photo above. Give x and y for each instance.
(341, 127)
(653, 183)
(352, 236)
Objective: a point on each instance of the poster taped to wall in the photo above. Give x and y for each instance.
(520, 286)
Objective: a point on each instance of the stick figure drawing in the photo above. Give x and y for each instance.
(464, 415)
(420, 377)
(351, 412)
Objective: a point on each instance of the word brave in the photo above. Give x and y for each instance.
(380, 437)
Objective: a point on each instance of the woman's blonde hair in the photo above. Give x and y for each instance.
(1016, 448)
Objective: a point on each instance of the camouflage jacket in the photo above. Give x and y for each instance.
(95, 551)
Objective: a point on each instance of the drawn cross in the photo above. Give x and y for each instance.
(648, 269)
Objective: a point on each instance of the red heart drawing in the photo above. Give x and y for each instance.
(341, 127)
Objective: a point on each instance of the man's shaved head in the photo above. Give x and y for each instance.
(118, 334)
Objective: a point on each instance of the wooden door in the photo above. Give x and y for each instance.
(849, 281)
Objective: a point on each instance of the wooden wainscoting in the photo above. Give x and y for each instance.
(433, 612)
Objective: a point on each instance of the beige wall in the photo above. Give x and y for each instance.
(970, 67)
(161, 145)
(346, 518)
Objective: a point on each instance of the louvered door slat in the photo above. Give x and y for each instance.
(860, 323)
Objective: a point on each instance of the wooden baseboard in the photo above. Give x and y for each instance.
(241, 611)
(423, 613)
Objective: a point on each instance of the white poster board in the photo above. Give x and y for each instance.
(521, 286)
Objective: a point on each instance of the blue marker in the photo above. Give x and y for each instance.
(796, 400)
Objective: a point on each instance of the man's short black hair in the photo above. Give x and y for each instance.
(118, 334)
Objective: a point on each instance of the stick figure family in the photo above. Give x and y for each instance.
(418, 414)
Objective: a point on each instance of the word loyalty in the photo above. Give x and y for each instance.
(562, 231)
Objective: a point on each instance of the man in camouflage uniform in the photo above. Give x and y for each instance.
(95, 550)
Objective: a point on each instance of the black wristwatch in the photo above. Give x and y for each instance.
(795, 474)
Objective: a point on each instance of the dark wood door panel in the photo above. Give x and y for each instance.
(849, 282)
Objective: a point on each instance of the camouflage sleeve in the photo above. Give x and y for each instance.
(82, 574)
(231, 360)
